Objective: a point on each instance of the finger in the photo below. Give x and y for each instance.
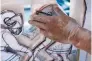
(43, 19)
(45, 33)
(30, 21)
(57, 10)
(39, 25)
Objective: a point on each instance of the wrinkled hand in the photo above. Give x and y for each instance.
(64, 29)
(59, 28)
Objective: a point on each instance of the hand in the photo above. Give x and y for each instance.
(64, 29)
(58, 28)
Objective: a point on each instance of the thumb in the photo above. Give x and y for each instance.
(58, 11)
